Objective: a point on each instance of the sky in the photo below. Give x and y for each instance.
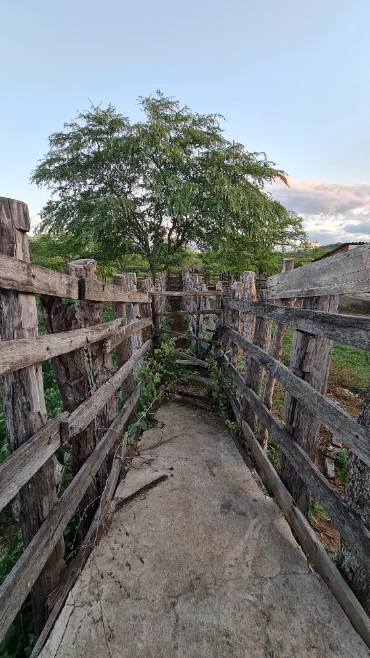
(290, 77)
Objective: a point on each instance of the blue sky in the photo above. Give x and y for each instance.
(291, 78)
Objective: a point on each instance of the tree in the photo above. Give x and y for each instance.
(155, 186)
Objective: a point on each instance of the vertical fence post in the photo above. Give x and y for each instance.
(145, 287)
(219, 320)
(70, 375)
(99, 366)
(309, 360)
(24, 405)
(275, 351)
(254, 373)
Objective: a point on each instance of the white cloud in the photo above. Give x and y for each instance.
(332, 212)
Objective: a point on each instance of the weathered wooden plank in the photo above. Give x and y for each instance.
(254, 372)
(20, 580)
(98, 526)
(310, 361)
(146, 310)
(357, 495)
(337, 275)
(346, 329)
(24, 404)
(342, 516)
(210, 311)
(70, 374)
(186, 336)
(24, 352)
(173, 293)
(98, 368)
(97, 291)
(85, 413)
(21, 276)
(196, 378)
(276, 351)
(124, 332)
(337, 421)
(310, 543)
(22, 464)
(192, 359)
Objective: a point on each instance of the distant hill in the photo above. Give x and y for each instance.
(303, 256)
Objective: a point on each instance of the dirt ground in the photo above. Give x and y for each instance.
(200, 565)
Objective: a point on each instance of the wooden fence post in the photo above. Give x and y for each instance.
(357, 496)
(99, 366)
(309, 360)
(275, 351)
(24, 405)
(254, 373)
(121, 310)
(146, 287)
(70, 375)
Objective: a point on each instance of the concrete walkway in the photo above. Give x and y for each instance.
(202, 565)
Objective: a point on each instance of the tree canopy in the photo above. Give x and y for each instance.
(155, 186)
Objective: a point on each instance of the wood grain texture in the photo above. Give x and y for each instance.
(276, 351)
(123, 333)
(97, 291)
(346, 329)
(348, 272)
(310, 543)
(97, 528)
(347, 522)
(23, 402)
(19, 275)
(357, 495)
(337, 421)
(21, 579)
(85, 413)
(254, 372)
(173, 293)
(209, 311)
(22, 464)
(310, 361)
(24, 352)
(70, 375)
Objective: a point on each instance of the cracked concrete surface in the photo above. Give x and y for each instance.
(202, 565)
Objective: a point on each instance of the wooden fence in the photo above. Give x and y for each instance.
(316, 323)
(80, 347)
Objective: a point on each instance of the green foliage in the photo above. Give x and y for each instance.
(315, 511)
(273, 453)
(160, 371)
(340, 465)
(217, 390)
(155, 186)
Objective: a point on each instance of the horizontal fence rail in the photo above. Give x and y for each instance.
(337, 421)
(343, 517)
(348, 272)
(346, 329)
(21, 276)
(20, 580)
(23, 352)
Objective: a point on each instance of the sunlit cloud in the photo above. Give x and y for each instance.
(332, 212)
